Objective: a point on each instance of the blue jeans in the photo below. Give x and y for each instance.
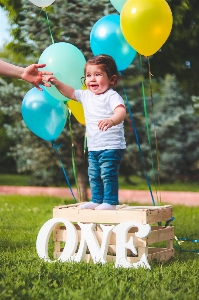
(103, 175)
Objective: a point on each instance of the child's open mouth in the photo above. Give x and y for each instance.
(94, 86)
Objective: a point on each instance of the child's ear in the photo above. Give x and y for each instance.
(113, 79)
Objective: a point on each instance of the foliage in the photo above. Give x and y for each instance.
(177, 133)
(24, 276)
(5, 144)
(195, 100)
(179, 55)
(35, 32)
(172, 115)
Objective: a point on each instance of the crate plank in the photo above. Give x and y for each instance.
(146, 215)
(161, 234)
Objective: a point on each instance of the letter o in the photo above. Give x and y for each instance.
(44, 235)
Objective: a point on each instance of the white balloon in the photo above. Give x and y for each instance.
(42, 3)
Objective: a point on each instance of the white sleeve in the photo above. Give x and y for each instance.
(116, 100)
(79, 95)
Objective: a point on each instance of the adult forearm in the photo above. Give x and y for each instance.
(10, 70)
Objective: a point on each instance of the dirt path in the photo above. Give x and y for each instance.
(125, 196)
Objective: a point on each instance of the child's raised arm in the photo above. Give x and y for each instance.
(63, 88)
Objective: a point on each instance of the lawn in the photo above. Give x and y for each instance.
(136, 183)
(24, 276)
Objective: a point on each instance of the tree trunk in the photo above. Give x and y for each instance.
(82, 171)
(82, 182)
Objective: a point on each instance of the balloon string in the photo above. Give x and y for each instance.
(48, 22)
(148, 131)
(138, 143)
(155, 133)
(73, 157)
(56, 147)
(49, 28)
(85, 148)
(179, 241)
(150, 83)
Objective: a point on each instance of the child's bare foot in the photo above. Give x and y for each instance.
(88, 205)
(105, 206)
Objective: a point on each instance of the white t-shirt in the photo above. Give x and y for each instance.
(96, 108)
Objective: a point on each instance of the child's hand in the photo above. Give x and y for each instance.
(50, 78)
(105, 124)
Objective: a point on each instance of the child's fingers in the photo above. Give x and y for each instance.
(47, 78)
(46, 84)
(104, 124)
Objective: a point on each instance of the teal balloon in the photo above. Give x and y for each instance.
(44, 115)
(67, 64)
(118, 4)
(106, 38)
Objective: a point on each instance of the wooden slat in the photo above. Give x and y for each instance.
(141, 251)
(169, 244)
(57, 247)
(162, 234)
(142, 215)
(61, 235)
(160, 254)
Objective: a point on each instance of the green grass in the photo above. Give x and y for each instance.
(24, 276)
(14, 179)
(137, 183)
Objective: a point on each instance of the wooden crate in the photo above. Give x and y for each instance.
(152, 215)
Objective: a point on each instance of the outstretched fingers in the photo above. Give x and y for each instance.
(46, 73)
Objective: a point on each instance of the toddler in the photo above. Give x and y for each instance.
(104, 112)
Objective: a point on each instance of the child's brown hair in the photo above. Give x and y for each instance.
(108, 65)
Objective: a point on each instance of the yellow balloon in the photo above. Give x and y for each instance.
(146, 24)
(77, 111)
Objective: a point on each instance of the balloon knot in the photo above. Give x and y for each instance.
(55, 146)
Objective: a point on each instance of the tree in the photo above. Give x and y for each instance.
(31, 38)
(179, 55)
(72, 22)
(178, 135)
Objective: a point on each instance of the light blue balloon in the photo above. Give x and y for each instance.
(106, 38)
(118, 4)
(67, 64)
(44, 115)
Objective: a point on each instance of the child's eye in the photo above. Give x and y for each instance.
(88, 75)
(98, 74)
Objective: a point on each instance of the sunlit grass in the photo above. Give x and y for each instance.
(24, 276)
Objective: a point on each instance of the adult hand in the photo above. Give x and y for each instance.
(34, 76)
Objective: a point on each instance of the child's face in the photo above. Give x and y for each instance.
(97, 81)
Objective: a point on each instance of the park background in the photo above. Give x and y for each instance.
(172, 156)
(26, 159)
